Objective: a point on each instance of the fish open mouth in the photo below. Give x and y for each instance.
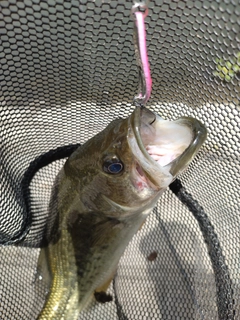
(163, 148)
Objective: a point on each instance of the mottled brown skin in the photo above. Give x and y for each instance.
(98, 213)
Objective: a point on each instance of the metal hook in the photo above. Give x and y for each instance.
(141, 6)
(140, 11)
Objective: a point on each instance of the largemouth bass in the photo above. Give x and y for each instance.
(103, 195)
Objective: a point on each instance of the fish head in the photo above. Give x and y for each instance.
(125, 168)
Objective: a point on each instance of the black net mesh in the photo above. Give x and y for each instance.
(67, 69)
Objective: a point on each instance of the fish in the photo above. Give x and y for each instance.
(102, 197)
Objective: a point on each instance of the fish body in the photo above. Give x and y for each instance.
(102, 196)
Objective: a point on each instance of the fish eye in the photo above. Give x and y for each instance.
(113, 166)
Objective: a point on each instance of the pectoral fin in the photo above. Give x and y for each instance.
(105, 286)
(100, 293)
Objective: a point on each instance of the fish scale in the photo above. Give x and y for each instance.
(63, 285)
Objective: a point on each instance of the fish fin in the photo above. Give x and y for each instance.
(103, 297)
(105, 285)
(43, 270)
(142, 225)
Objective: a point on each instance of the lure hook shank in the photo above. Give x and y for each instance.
(139, 13)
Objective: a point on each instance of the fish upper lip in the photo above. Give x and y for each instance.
(176, 166)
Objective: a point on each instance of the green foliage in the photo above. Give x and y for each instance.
(227, 70)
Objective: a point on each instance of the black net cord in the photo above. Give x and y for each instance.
(40, 162)
(120, 313)
(179, 265)
(225, 301)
